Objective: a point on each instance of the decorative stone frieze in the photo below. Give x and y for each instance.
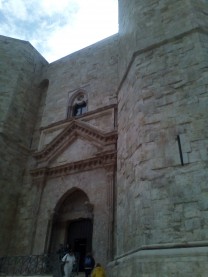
(101, 160)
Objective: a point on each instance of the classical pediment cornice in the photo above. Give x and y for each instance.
(101, 160)
(74, 130)
(83, 117)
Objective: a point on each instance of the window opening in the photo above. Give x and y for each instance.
(180, 149)
(78, 105)
(79, 109)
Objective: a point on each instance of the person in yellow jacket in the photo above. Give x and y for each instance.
(98, 271)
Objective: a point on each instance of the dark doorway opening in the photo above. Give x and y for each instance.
(80, 239)
(80, 246)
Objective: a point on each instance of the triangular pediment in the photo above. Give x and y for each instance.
(76, 134)
(79, 149)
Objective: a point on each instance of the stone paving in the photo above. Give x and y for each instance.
(81, 274)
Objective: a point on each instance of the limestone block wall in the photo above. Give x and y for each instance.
(144, 23)
(161, 199)
(163, 262)
(21, 67)
(93, 69)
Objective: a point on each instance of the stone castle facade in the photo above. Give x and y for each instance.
(107, 149)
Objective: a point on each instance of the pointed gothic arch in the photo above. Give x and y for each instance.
(72, 222)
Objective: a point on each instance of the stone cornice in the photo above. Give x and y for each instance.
(69, 134)
(83, 117)
(157, 44)
(99, 161)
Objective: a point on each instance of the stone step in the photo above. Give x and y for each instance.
(81, 274)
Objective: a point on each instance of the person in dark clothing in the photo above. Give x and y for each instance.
(89, 264)
(61, 251)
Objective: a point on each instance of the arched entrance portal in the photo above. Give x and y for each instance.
(73, 224)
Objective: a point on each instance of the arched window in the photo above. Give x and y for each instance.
(78, 104)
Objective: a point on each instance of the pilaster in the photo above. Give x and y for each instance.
(110, 170)
(39, 182)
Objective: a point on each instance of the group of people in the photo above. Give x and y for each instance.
(91, 269)
(68, 259)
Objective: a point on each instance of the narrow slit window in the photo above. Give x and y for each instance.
(180, 149)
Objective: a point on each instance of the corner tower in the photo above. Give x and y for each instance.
(21, 67)
(162, 139)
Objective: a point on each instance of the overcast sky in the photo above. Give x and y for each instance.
(57, 28)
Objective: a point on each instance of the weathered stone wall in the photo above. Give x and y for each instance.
(163, 262)
(93, 69)
(20, 93)
(144, 23)
(168, 99)
(21, 66)
(163, 94)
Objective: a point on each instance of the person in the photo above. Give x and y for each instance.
(69, 260)
(98, 271)
(89, 264)
(61, 252)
